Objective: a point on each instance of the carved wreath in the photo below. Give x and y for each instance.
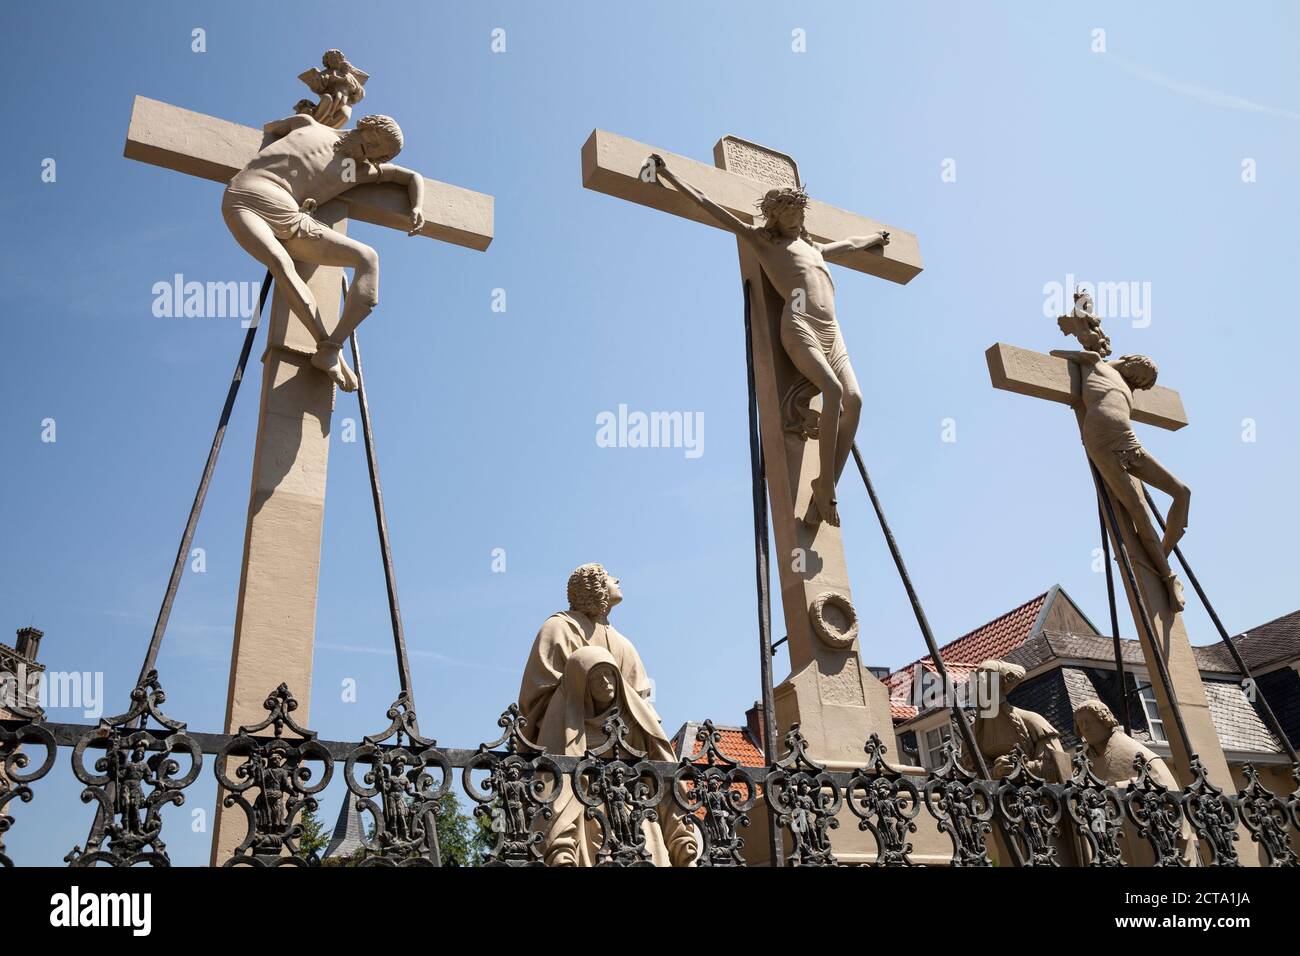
(830, 634)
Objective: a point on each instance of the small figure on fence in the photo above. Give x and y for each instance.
(398, 793)
(719, 816)
(514, 802)
(274, 784)
(132, 774)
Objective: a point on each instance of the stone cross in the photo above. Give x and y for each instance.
(837, 703)
(1058, 380)
(276, 617)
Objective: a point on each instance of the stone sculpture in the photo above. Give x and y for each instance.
(796, 267)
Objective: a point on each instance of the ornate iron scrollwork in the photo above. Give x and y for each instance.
(1266, 817)
(716, 794)
(963, 805)
(408, 804)
(128, 820)
(1031, 810)
(621, 796)
(15, 777)
(886, 803)
(1213, 815)
(1157, 812)
(520, 786)
(276, 769)
(804, 799)
(1097, 811)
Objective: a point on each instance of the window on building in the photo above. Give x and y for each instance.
(1152, 712)
(934, 741)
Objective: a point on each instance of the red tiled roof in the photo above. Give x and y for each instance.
(735, 744)
(995, 639)
(900, 710)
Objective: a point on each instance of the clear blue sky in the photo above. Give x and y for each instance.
(1122, 166)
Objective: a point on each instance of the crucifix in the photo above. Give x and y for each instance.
(801, 366)
(303, 240)
(1106, 397)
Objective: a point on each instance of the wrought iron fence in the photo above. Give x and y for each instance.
(143, 761)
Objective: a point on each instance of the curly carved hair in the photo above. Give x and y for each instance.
(775, 200)
(1138, 370)
(587, 590)
(1098, 710)
(386, 126)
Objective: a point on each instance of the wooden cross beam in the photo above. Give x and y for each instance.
(835, 700)
(275, 619)
(1044, 376)
(612, 164)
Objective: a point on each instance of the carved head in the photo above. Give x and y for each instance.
(1000, 677)
(1094, 722)
(335, 60)
(1138, 370)
(783, 211)
(602, 683)
(376, 139)
(593, 590)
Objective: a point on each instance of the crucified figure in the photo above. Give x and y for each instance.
(796, 267)
(268, 207)
(1108, 436)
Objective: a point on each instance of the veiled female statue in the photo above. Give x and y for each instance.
(591, 692)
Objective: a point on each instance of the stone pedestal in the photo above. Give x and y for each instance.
(275, 624)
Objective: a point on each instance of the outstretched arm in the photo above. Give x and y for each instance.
(1078, 358)
(855, 243)
(284, 127)
(414, 183)
(724, 218)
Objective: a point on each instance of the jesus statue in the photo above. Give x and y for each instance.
(810, 334)
(1113, 447)
(268, 204)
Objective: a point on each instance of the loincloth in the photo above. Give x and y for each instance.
(275, 207)
(802, 332)
(1121, 443)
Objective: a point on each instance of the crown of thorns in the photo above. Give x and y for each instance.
(785, 196)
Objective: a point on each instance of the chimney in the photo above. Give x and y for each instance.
(754, 724)
(29, 643)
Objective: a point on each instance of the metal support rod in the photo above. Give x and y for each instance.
(405, 685)
(758, 480)
(958, 715)
(1114, 623)
(187, 537)
(1162, 667)
(1274, 724)
(381, 523)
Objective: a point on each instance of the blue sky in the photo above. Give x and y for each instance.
(1122, 166)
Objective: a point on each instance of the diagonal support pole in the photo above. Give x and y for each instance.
(1162, 666)
(1114, 623)
(200, 496)
(958, 715)
(758, 477)
(1273, 723)
(381, 524)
